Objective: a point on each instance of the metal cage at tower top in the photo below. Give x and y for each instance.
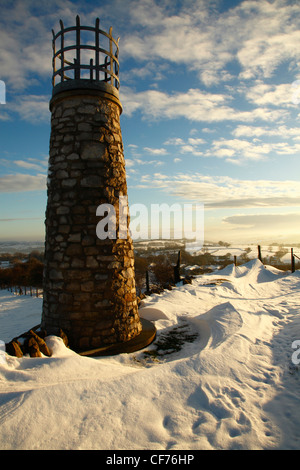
(85, 53)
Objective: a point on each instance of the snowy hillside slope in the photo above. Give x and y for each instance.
(220, 375)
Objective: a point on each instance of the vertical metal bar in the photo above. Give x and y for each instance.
(116, 72)
(77, 67)
(53, 59)
(111, 56)
(91, 69)
(97, 48)
(62, 55)
(106, 65)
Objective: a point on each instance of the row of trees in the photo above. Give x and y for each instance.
(23, 276)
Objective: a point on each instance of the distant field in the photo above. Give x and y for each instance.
(281, 252)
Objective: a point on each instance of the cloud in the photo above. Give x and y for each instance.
(265, 220)
(174, 141)
(265, 50)
(137, 156)
(193, 105)
(4, 116)
(151, 70)
(153, 151)
(32, 108)
(24, 45)
(129, 162)
(20, 218)
(21, 183)
(198, 141)
(25, 37)
(29, 165)
(176, 37)
(238, 151)
(218, 192)
(263, 94)
(191, 146)
(139, 161)
(262, 228)
(257, 131)
(260, 36)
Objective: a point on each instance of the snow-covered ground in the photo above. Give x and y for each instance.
(234, 384)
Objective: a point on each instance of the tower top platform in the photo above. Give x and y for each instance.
(85, 58)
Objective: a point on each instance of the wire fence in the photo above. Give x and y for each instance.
(169, 276)
(160, 276)
(293, 258)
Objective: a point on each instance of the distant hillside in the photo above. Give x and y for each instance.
(20, 246)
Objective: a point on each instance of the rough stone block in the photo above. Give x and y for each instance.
(93, 150)
(91, 262)
(92, 181)
(87, 286)
(68, 183)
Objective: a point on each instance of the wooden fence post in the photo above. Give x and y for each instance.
(177, 268)
(292, 261)
(147, 282)
(259, 253)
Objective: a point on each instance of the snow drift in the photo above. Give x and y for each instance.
(226, 382)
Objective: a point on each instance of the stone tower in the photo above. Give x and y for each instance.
(89, 283)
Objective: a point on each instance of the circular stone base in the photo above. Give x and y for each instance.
(145, 338)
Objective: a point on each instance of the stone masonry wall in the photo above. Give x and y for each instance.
(89, 285)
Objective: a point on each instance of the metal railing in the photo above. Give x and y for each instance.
(103, 66)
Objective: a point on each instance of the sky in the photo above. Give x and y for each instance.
(211, 110)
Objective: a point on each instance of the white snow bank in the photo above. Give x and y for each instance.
(18, 313)
(228, 381)
(151, 314)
